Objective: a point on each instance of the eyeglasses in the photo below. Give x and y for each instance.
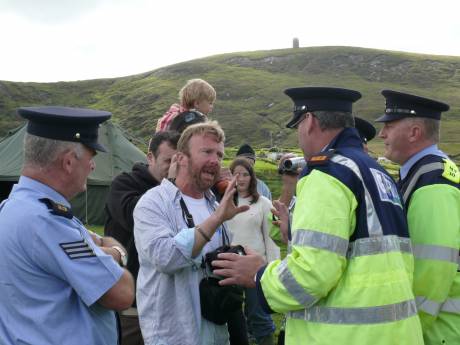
(299, 120)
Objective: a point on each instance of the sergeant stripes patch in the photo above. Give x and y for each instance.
(77, 249)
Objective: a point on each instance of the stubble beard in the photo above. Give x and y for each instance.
(195, 174)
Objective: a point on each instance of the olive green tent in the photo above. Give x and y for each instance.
(87, 206)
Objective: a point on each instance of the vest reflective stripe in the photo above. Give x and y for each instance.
(295, 290)
(373, 222)
(428, 251)
(361, 247)
(428, 306)
(320, 240)
(423, 170)
(379, 245)
(450, 305)
(357, 316)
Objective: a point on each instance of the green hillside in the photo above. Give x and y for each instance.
(251, 105)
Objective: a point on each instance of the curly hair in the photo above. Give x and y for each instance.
(196, 90)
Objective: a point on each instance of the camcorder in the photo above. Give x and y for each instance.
(219, 303)
(291, 165)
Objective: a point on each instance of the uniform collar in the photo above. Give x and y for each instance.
(42, 189)
(348, 137)
(430, 150)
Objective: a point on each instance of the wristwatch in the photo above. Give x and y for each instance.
(123, 256)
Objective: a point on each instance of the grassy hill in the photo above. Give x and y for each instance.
(251, 105)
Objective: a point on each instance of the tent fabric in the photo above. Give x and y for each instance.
(87, 206)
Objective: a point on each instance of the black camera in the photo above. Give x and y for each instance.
(219, 303)
(211, 256)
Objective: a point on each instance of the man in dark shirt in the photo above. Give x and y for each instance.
(125, 192)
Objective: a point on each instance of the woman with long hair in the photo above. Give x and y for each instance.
(251, 229)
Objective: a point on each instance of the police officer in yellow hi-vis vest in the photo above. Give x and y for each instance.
(348, 278)
(430, 188)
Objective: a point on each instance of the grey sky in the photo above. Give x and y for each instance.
(51, 40)
(52, 12)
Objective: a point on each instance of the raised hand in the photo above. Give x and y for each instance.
(227, 208)
(281, 211)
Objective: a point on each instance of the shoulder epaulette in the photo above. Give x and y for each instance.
(451, 172)
(321, 158)
(57, 209)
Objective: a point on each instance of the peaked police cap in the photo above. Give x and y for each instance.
(66, 124)
(399, 105)
(310, 99)
(365, 129)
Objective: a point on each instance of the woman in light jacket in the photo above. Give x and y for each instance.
(251, 229)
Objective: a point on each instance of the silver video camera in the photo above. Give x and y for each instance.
(292, 165)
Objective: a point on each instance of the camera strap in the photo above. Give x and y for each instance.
(186, 214)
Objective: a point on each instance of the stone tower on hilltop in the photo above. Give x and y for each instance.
(295, 43)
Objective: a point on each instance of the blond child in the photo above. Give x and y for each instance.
(197, 95)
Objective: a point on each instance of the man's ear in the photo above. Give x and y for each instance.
(415, 132)
(150, 158)
(66, 161)
(181, 159)
(312, 123)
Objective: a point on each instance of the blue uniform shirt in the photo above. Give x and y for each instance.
(430, 150)
(51, 274)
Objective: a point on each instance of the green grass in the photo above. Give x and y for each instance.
(98, 229)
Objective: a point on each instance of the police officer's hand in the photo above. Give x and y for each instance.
(288, 181)
(238, 269)
(96, 238)
(227, 208)
(282, 213)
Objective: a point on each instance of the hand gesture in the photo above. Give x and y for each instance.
(281, 211)
(227, 208)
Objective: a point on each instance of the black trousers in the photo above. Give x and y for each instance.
(130, 330)
(237, 329)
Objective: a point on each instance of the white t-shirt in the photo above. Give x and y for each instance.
(199, 210)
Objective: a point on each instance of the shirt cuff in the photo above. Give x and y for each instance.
(185, 240)
(260, 293)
